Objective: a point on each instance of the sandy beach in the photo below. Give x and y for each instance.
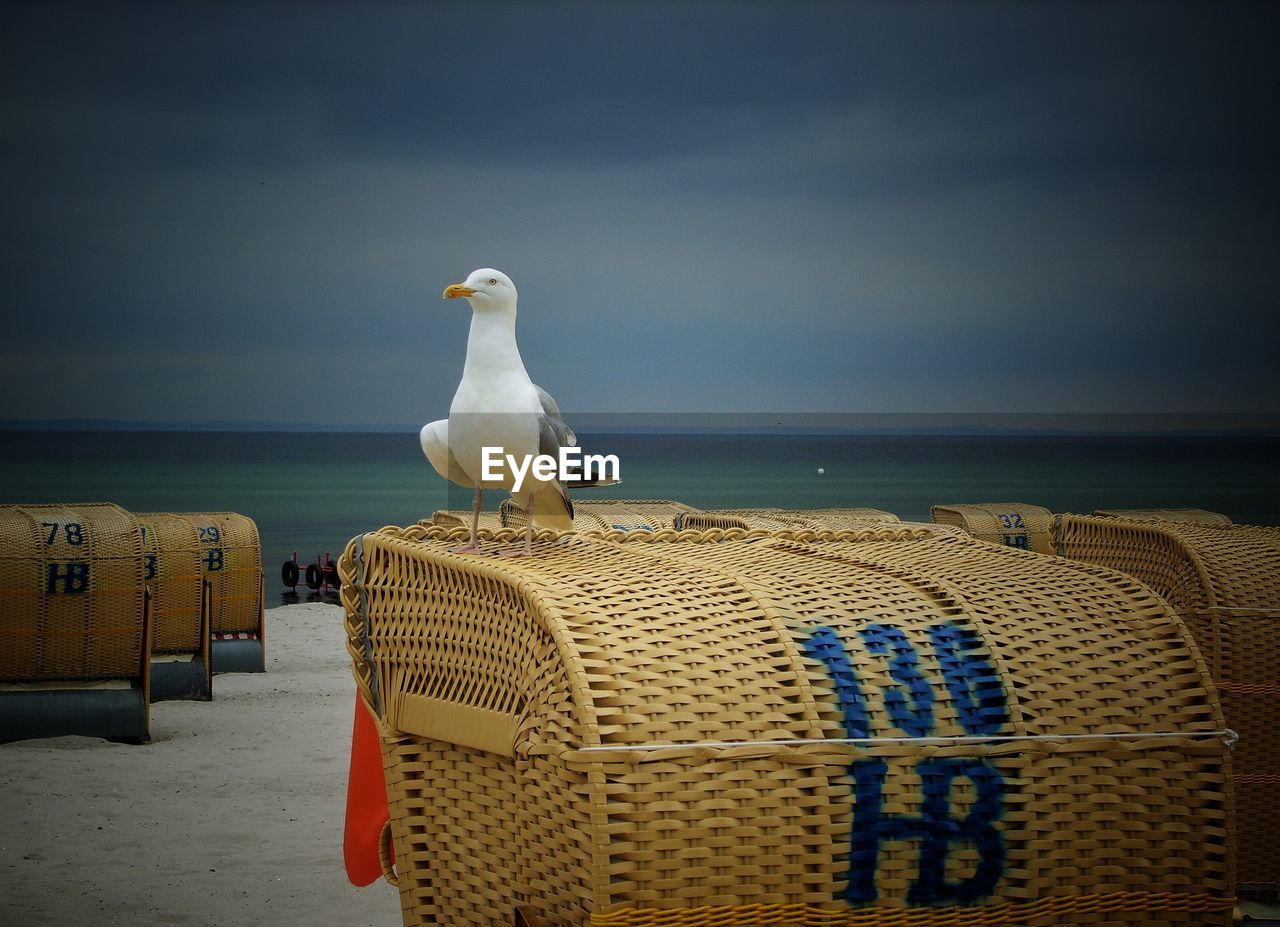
(233, 814)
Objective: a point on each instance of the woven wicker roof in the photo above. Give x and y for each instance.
(664, 719)
(1224, 580)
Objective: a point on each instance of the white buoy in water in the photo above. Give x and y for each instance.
(821, 471)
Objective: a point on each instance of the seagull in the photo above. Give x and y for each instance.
(497, 405)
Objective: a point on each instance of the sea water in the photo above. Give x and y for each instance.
(312, 492)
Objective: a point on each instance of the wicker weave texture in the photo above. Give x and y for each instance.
(1011, 524)
(783, 519)
(231, 563)
(738, 728)
(609, 514)
(1225, 582)
(171, 551)
(1195, 516)
(74, 601)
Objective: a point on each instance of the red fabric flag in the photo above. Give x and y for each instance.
(367, 810)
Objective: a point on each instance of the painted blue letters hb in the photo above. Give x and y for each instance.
(73, 576)
(979, 701)
(935, 830)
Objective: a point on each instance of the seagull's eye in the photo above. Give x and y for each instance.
(493, 281)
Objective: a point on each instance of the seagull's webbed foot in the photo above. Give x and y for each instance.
(465, 549)
(516, 552)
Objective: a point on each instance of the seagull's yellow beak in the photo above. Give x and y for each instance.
(454, 290)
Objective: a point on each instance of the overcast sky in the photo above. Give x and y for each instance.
(249, 212)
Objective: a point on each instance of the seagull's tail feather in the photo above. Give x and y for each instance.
(552, 507)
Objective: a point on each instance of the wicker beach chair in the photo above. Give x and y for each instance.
(231, 566)
(1224, 580)
(1012, 524)
(181, 663)
(738, 728)
(75, 633)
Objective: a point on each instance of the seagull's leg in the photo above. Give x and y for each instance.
(528, 536)
(475, 526)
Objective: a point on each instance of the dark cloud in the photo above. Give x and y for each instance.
(784, 203)
(561, 82)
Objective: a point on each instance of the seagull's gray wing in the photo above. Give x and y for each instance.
(553, 432)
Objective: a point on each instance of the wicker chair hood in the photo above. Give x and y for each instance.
(1224, 580)
(74, 594)
(172, 567)
(231, 563)
(881, 726)
(1011, 524)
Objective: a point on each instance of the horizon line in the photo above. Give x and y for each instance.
(756, 423)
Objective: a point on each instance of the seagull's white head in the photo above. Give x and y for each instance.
(486, 288)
